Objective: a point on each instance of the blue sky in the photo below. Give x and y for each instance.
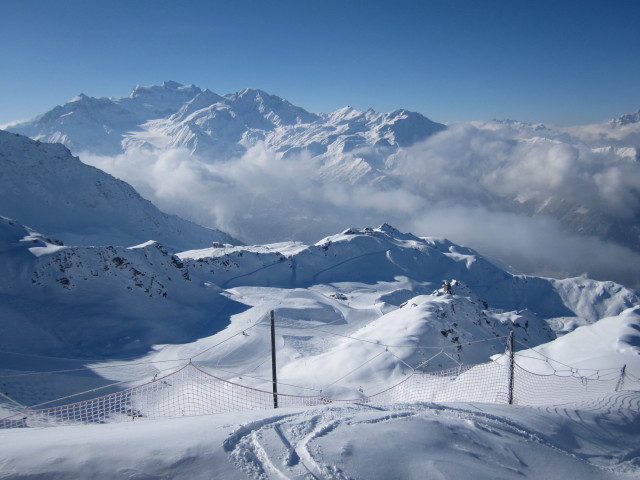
(561, 61)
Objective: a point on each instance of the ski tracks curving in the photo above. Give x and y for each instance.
(294, 445)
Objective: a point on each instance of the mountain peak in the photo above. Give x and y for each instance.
(204, 99)
(255, 93)
(168, 88)
(79, 98)
(172, 85)
(626, 119)
(344, 113)
(261, 110)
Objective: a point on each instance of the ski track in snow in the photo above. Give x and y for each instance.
(351, 259)
(286, 446)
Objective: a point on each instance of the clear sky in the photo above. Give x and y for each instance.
(552, 61)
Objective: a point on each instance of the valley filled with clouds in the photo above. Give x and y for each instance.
(542, 200)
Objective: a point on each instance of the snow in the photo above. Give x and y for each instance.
(597, 441)
(370, 284)
(174, 115)
(45, 187)
(356, 313)
(609, 343)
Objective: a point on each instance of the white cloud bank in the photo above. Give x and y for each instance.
(456, 184)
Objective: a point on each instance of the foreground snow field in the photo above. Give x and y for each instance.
(593, 440)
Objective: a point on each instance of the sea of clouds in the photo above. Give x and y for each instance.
(461, 184)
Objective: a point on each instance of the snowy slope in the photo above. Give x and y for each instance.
(610, 343)
(596, 441)
(341, 302)
(384, 254)
(44, 186)
(354, 314)
(382, 287)
(95, 301)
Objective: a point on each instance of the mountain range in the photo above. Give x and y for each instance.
(218, 127)
(263, 169)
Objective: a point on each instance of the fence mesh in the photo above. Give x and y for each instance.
(192, 391)
(189, 391)
(467, 383)
(535, 389)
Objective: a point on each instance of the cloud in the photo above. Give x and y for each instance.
(463, 183)
(488, 165)
(10, 124)
(538, 246)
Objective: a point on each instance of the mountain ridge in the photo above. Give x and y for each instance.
(251, 112)
(144, 301)
(579, 183)
(44, 186)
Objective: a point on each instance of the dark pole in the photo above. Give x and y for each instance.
(510, 347)
(273, 359)
(621, 379)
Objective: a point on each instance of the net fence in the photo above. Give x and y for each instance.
(191, 391)
(535, 389)
(467, 383)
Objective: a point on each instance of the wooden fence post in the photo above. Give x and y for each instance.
(510, 348)
(273, 359)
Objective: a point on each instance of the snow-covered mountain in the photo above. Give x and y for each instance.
(262, 169)
(626, 119)
(98, 124)
(620, 132)
(99, 300)
(355, 312)
(375, 284)
(221, 127)
(42, 185)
